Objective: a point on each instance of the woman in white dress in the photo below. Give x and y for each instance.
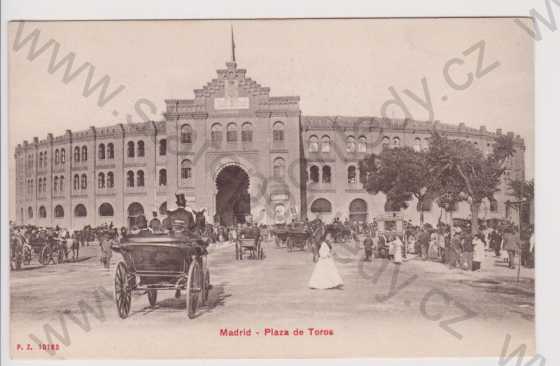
(325, 275)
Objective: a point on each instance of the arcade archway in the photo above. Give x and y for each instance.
(233, 202)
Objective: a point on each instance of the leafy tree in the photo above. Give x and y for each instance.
(461, 167)
(401, 174)
(522, 190)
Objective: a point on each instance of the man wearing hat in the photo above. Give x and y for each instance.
(180, 216)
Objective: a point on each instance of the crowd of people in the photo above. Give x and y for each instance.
(454, 246)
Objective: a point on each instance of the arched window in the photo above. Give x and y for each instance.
(44, 185)
(385, 142)
(350, 144)
(110, 151)
(362, 144)
(80, 210)
(352, 175)
(106, 209)
(278, 132)
(30, 212)
(314, 174)
(417, 142)
(231, 134)
(101, 152)
(186, 170)
(76, 182)
(396, 142)
(77, 153)
(313, 144)
(141, 149)
(325, 144)
(55, 184)
(186, 134)
(84, 181)
(130, 149)
(39, 184)
(56, 157)
(321, 205)
(278, 167)
(62, 156)
(84, 153)
(216, 133)
(110, 180)
(247, 132)
(358, 210)
(101, 180)
(163, 147)
(163, 177)
(58, 211)
(326, 174)
(61, 185)
(42, 212)
(140, 178)
(41, 159)
(130, 178)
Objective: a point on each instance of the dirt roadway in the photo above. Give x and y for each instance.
(416, 309)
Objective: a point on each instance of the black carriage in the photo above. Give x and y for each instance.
(340, 232)
(280, 233)
(45, 246)
(249, 241)
(156, 262)
(298, 237)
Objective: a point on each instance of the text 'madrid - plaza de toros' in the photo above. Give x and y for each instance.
(234, 150)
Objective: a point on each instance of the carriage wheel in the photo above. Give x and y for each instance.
(193, 290)
(206, 287)
(123, 291)
(152, 297)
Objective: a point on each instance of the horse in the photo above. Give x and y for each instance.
(318, 230)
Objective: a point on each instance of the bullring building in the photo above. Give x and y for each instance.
(234, 150)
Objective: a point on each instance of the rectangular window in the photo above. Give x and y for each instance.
(278, 135)
(246, 136)
(186, 173)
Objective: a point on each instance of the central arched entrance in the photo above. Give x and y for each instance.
(233, 202)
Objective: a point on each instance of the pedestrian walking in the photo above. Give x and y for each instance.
(479, 250)
(368, 249)
(325, 275)
(468, 251)
(511, 245)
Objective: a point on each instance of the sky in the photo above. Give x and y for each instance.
(337, 67)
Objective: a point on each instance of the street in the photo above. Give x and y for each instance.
(264, 309)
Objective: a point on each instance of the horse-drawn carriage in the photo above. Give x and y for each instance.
(249, 240)
(280, 234)
(339, 231)
(297, 237)
(153, 262)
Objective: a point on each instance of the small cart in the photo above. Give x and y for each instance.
(249, 242)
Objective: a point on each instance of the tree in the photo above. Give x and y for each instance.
(461, 167)
(522, 190)
(401, 174)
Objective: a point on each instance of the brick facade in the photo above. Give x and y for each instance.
(232, 120)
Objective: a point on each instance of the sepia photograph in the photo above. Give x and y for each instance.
(271, 188)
